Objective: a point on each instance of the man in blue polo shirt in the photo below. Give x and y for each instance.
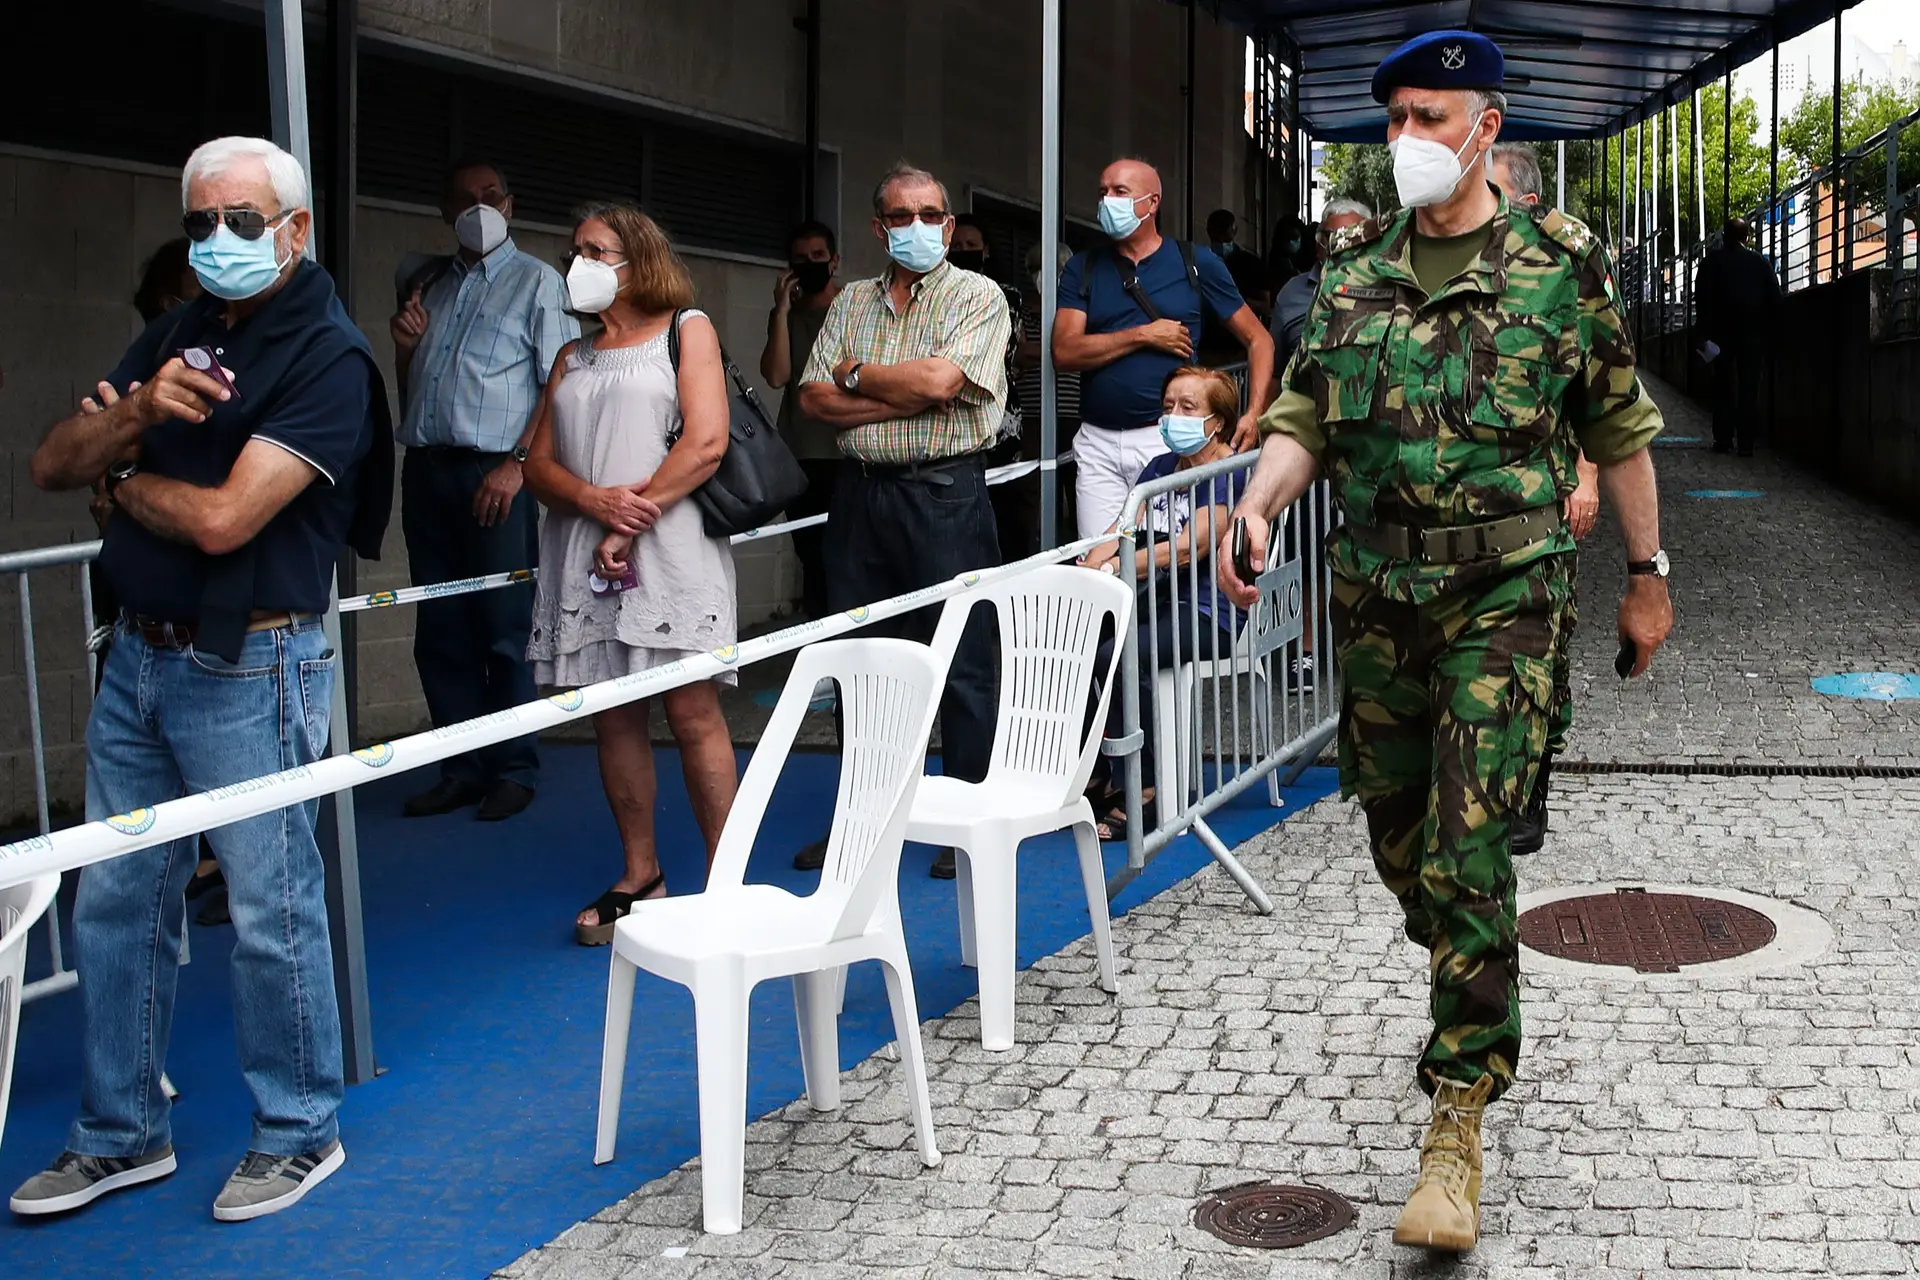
(244, 440)
(1129, 315)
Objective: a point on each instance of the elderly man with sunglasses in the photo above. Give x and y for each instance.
(910, 369)
(244, 440)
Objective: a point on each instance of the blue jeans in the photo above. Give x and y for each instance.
(168, 722)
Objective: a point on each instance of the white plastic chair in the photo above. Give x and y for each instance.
(20, 909)
(1175, 770)
(722, 943)
(1043, 752)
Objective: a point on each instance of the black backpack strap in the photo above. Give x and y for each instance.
(1130, 281)
(673, 340)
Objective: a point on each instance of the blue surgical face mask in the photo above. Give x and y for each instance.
(232, 268)
(917, 246)
(1118, 217)
(1185, 435)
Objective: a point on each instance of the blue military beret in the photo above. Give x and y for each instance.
(1441, 60)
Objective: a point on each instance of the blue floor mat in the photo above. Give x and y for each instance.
(476, 1144)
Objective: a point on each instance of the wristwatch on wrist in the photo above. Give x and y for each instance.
(1657, 567)
(853, 376)
(119, 472)
(519, 453)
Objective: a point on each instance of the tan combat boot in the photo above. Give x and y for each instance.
(1444, 1210)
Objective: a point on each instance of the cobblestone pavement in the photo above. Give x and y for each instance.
(1758, 1126)
(1768, 593)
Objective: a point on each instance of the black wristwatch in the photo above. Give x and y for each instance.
(519, 453)
(1657, 567)
(120, 472)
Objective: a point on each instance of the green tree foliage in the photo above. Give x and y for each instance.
(1749, 160)
(1364, 171)
(1865, 110)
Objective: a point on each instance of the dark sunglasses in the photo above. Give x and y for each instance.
(248, 224)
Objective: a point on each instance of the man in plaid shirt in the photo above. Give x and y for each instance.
(911, 369)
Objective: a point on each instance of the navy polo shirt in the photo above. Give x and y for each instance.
(1126, 393)
(325, 425)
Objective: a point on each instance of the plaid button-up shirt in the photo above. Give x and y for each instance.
(493, 330)
(958, 315)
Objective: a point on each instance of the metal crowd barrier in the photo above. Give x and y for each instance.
(1231, 707)
(22, 564)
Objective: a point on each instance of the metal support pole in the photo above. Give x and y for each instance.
(1773, 169)
(1699, 170)
(287, 95)
(1560, 176)
(1187, 91)
(1049, 269)
(1726, 145)
(1673, 167)
(812, 21)
(1833, 172)
(1894, 220)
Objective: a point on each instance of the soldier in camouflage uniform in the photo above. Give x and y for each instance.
(1456, 358)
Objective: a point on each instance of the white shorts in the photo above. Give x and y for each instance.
(1107, 463)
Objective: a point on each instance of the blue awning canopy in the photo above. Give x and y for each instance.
(1575, 68)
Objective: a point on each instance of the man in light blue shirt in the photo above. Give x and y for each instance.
(474, 339)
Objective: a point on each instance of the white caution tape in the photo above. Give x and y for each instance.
(143, 828)
(466, 586)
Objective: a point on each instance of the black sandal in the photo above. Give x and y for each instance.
(609, 908)
(1113, 827)
(200, 885)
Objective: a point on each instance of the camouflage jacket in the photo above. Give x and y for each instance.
(1466, 406)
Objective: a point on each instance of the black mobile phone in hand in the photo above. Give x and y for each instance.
(1242, 552)
(205, 360)
(1629, 655)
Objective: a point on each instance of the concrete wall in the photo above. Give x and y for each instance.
(952, 85)
(1835, 400)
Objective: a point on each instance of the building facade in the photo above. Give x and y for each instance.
(699, 110)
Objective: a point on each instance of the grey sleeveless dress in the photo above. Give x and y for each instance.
(611, 415)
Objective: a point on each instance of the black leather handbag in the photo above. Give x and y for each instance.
(758, 475)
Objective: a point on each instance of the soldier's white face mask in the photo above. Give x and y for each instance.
(1425, 172)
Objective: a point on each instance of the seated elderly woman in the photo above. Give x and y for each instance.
(1199, 408)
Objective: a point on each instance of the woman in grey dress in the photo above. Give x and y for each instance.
(629, 578)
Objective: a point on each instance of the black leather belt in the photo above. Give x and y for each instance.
(162, 634)
(1458, 544)
(934, 471)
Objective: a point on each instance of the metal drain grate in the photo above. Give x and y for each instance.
(1647, 932)
(1265, 1215)
(1735, 769)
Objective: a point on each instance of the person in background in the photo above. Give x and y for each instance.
(630, 579)
(473, 339)
(237, 482)
(1016, 507)
(1737, 291)
(1289, 253)
(166, 281)
(1200, 408)
(1248, 271)
(911, 368)
(1516, 171)
(1302, 537)
(801, 295)
(1131, 313)
(1026, 389)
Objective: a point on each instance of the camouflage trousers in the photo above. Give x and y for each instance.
(1562, 719)
(1443, 718)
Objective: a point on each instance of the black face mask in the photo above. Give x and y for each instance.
(812, 277)
(968, 259)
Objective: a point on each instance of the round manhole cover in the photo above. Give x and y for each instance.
(1646, 932)
(1263, 1215)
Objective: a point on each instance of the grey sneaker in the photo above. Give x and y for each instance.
(266, 1184)
(75, 1180)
